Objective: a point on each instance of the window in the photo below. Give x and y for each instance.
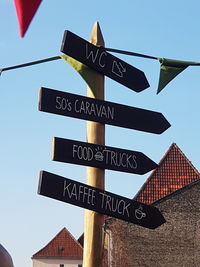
(62, 265)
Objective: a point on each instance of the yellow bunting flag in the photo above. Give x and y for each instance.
(86, 73)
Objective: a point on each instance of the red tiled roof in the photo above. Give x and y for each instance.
(174, 172)
(63, 245)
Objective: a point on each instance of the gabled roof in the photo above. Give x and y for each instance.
(63, 245)
(174, 172)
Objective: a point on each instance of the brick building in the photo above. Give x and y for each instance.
(174, 189)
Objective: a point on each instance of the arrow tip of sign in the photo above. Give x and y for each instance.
(96, 36)
(158, 219)
(161, 222)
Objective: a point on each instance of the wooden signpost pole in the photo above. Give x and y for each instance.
(93, 221)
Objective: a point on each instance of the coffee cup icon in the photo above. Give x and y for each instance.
(139, 214)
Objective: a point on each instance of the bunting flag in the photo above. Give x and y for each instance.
(86, 73)
(169, 69)
(26, 10)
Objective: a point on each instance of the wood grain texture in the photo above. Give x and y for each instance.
(93, 222)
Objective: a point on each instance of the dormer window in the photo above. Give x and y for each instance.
(60, 249)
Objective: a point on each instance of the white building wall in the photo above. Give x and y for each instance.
(55, 263)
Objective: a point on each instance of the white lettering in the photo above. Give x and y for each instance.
(74, 191)
(115, 205)
(128, 161)
(104, 112)
(80, 152)
(80, 192)
(108, 200)
(75, 106)
(82, 107)
(113, 157)
(84, 193)
(98, 110)
(135, 162)
(91, 109)
(58, 102)
(66, 188)
(107, 155)
(123, 155)
(100, 58)
(91, 196)
(91, 54)
(111, 112)
(120, 159)
(126, 208)
(121, 201)
(102, 200)
(63, 103)
(87, 105)
(74, 150)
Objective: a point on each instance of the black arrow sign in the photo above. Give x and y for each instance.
(88, 197)
(100, 60)
(104, 157)
(86, 108)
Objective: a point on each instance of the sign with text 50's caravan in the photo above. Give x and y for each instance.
(100, 60)
(88, 197)
(86, 108)
(103, 157)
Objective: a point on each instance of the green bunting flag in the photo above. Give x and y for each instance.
(86, 73)
(169, 69)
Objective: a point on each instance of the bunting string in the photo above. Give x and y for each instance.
(169, 68)
(107, 49)
(129, 53)
(58, 57)
(31, 63)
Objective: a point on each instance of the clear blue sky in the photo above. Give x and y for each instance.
(164, 29)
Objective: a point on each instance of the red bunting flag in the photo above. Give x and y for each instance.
(26, 9)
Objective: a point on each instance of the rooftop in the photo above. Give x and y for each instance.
(174, 171)
(63, 245)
